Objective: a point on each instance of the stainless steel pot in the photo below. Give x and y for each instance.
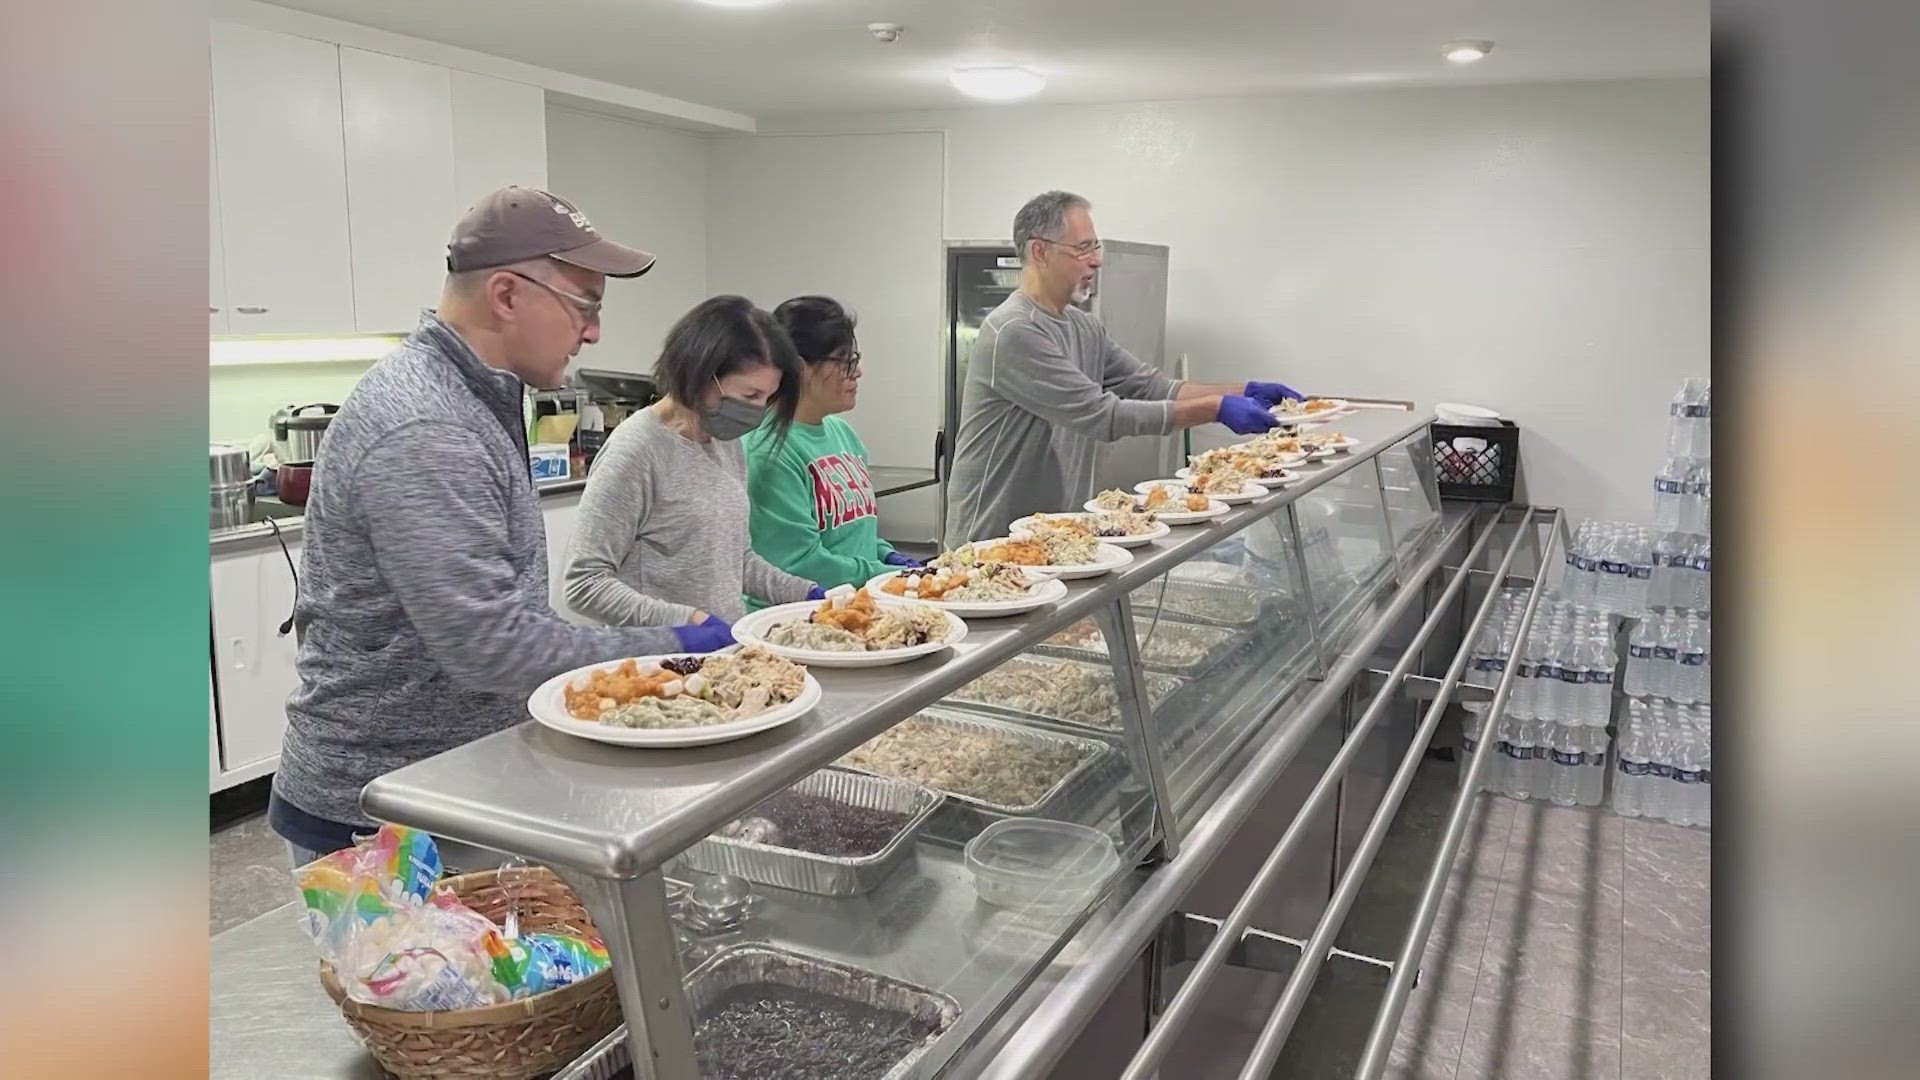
(297, 431)
(228, 463)
(230, 506)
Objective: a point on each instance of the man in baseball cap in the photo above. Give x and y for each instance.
(423, 605)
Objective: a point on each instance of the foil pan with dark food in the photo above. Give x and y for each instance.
(834, 833)
(767, 1013)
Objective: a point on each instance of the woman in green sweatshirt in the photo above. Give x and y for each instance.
(812, 510)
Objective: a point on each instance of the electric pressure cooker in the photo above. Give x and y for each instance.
(297, 430)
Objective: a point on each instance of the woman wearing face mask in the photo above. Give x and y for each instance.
(813, 510)
(662, 535)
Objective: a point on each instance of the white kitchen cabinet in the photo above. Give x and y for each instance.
(400, 168)
(499, 137)
(216, 258)
(283, 182)
(561, 512)
(252, 594)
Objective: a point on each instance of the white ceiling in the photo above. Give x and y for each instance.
(815, 55)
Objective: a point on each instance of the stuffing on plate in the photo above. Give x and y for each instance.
(1115, 499)
(1249, 460)
(686, 691)
(1171, 497)
(986, 583)
(1055, 546)
(1111, 523)
(1221, 481)
(858, 624)
(1066, 543)
(1308, 407)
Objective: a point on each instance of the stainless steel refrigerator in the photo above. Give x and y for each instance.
(1129, 297)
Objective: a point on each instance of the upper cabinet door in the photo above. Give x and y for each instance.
(283, 182)
(216, 258)
(499, 137)
(399, 140)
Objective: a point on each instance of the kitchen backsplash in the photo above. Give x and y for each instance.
(241, 398)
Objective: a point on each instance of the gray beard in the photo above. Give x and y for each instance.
(1082, 293)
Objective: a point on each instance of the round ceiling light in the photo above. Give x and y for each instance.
(997, 83)
(1466, 52)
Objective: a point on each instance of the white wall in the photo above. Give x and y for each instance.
(856, 217)
(644, 186)
(1540, 249)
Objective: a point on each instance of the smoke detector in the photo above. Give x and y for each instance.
(886, 31)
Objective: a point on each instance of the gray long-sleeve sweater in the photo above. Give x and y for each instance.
(423, 608)
(663, 532)
(1042, 391)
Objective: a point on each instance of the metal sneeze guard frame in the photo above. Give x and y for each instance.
(607, 824)
(1036, 1046)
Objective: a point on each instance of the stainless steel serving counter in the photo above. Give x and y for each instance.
(608, 818)
(616, 813)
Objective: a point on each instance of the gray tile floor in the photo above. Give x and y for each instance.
(1573, 944)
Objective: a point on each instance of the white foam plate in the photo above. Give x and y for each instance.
(1106, 559)
(548, 706)
(1044, 591)
(1286, 476)
(1248, 492)
(1341, 407)
(1181, 517)
(752, 629)
(1159, 530)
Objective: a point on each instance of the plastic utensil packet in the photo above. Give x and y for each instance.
(539, 962)
(396, 939)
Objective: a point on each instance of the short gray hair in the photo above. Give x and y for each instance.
(1044, 218)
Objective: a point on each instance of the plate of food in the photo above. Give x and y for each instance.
(986, 591)
(1318, 408)
(1328, 443)
(851, 628)
(1120, 528)
(676, 700)
(1269, 476)
(1261, 457)
(1171, 502)
(1227, 487)
(1049, 550)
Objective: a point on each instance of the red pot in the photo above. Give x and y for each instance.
(292, 482)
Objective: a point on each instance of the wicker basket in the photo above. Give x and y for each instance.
(514, 1041)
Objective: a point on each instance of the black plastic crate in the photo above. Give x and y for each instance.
(1466, 471)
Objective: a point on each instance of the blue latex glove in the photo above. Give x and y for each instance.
(1244, 415)
(894, 558)
(816, 593)
(1271, 393)
(704, 637)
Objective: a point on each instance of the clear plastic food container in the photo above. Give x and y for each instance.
(1040, 866)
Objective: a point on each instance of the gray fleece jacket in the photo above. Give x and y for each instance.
(423, 607)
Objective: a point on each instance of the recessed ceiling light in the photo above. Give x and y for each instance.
(1466, 52)
(997, 83)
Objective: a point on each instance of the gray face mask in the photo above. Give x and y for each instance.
(732, 418)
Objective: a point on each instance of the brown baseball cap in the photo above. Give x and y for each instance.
(519, 223)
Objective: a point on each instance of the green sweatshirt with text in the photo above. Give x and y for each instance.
(811, 507)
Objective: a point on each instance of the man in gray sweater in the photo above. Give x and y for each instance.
(1046, 385)
(423, 614)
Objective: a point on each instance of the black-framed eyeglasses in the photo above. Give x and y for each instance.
(1081, 251)
(849, 363)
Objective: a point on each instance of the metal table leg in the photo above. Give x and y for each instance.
(633, 921)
